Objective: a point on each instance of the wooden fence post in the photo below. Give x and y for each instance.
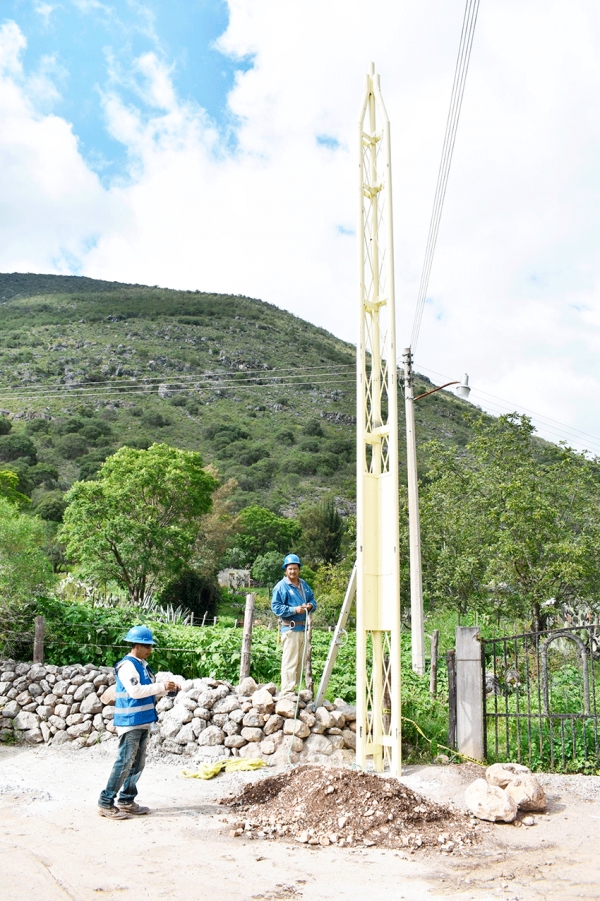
(434, 663)
(38, 640)
(247, 639)
(308, 673)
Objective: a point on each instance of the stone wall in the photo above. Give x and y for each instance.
(208, 719)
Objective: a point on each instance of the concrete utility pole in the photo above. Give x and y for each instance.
(378, 569)
(414, 524)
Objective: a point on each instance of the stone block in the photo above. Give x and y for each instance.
(198, 726)
(26, 720)
(83, 691)
(267, 746)
(185, 735)
(273, 724)
(226, 705)
(318, 744)
(62, 710)
(296, 727)
(33, 736)
(247, 687)
(74, 719)
(489, 802)
(251, 750)
(108, 712)
(91, 704)
(337, 742)
(171, 747)
(211, 736)
(254, 718)
(80, 729)
(501, 774)
(527, 793)
(307, 717)
(11, 709)
(324, 717)
(213, 752)
(235, 741)
(57, 721)
(286, 708)
(252, 734)
(230, 728)
(163, 704)
(237, 716)
(262, 701)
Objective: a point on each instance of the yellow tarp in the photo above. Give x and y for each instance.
(233, 765)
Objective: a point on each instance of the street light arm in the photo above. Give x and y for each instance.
(427, 393)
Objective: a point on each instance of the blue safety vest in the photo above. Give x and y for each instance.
(131, 711)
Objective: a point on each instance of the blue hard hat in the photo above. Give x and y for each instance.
(291, 558)
(139, 635)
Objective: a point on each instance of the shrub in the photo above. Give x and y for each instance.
(5, 425)
(15, 447)
(72, 446)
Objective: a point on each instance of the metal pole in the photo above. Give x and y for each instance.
(247, 637)
(434, 663)
(414, 526)
(337, 638)
(378, 571)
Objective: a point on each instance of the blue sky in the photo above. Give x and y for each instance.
(212, 145)
(87, 47)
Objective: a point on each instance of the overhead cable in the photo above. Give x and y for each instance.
(456, 98)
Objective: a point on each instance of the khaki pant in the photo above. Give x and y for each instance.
(292, 645)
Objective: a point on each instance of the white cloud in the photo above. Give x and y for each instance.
(514, 283)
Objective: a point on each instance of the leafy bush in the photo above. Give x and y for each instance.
(51, 507)
(5, 425)
(198, 593)
(72, 446)
(14, 447)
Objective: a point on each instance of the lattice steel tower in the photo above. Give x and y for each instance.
(378, 569)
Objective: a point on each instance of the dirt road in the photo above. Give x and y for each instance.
(55, 847)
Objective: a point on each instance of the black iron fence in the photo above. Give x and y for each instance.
(540, 699)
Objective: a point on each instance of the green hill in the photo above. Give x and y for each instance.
(269, 399)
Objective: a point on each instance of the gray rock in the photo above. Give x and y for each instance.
(91, 704)
(349, 739)
(337, 742)
(169, 728)
(286, 707)
(219, 719)
(107, 712)
(339, 720)
(324, 717)
(252, 734)
(74, 719)
(50, 700)
(501, 774)
(57, 721)
(60, 687)
(206, 699)
(307, 717)
(35, 690)
(11, 709)
(267, 746)
(180, 714)
(43, 711)
(83, 691)
(527, 793)
(251, 750)
(227, 704)
(32, 707)
(80, 729)
(163, 704)
(235, 741)
(247, 687)
(489, 802)
(171, 747)
(212, 752)
(198, 726)
(318, 744)
(254, 718)
(92, 739)
(184, 701)
(62, 710)
(334, 731)
(273, 724)
(33, 736)
(61, 738)
(271, 688)
(211, 736)
(230, 728)
(8, 676)
(4, 687)
(98, 722)
(262, 701)
(185, 735)
(202, 712)
(25, 721)
(109, 696)
(296, 727)
(236, 716)
(24, 698)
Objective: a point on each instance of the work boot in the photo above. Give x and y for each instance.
(113, 813)
(133, 809)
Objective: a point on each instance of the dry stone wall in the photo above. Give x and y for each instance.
(208, 719)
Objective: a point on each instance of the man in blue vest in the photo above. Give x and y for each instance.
(135, 711)
(292, 601)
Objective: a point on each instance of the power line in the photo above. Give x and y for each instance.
(545, 422)
(456, 98)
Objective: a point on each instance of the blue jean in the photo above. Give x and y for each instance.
(127, 769)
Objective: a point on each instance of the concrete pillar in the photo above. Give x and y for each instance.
(469, 698)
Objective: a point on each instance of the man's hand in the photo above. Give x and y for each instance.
(171, 686)
(305, 608)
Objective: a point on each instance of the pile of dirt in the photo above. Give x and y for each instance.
(332, 806)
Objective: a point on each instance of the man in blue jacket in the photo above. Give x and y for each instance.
(135, 711)
(292, 601)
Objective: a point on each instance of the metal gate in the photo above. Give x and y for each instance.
(540, 699)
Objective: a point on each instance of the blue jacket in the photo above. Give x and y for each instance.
(285, 600)
(128, 710)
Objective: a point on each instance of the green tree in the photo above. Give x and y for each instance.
(511, 523)
(25, 570)
(262, 531)
(9, 485)
(138, 523)
(322, 532)
(266, 569)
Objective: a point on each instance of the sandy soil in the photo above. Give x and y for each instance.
(55, 847)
